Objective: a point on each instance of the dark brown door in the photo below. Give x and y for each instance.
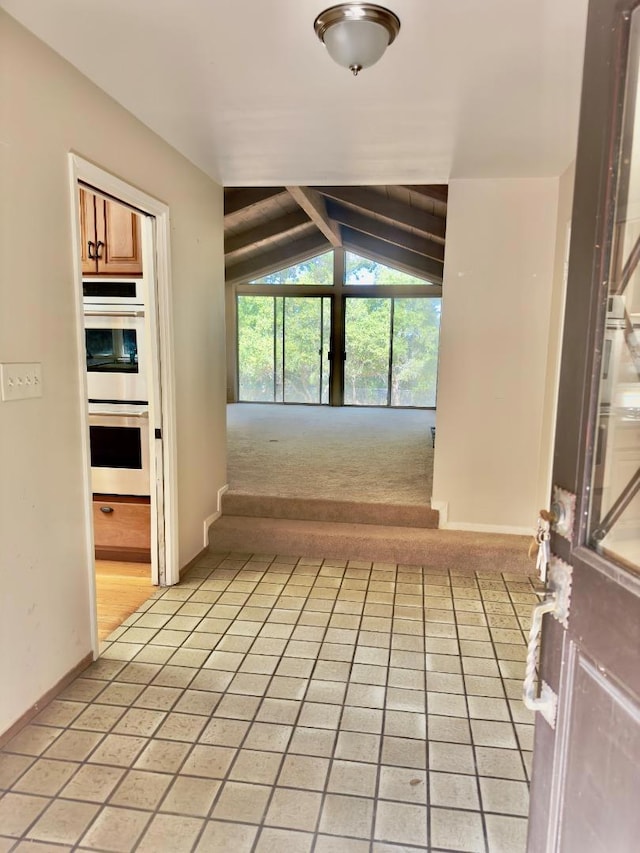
(586, 771)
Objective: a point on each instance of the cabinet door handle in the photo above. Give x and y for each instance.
(99, 246)
(92, 255)
(106, 509)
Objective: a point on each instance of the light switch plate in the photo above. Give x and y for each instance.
(19, 381)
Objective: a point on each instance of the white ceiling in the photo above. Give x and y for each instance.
(244, 89)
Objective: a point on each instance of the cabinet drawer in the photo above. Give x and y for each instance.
(121, 524)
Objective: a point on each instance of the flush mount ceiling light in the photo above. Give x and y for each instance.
(356, 34)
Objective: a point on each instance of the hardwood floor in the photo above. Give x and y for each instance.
(121, 588)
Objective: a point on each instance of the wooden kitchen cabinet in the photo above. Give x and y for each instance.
(110, 237)
(122, 528)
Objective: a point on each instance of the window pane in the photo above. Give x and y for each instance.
(367, 339)
(615, 504)
(255, 348)
(318, 270)
(302, 324)
(416, 334)
(359, 270)
(326, 346)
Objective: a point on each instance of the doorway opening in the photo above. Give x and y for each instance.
(333, 302)
(126, 377)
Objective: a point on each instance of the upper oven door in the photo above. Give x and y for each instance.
(116, 354)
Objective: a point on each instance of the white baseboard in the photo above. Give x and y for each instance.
(444, 524)
(221, 492)
(487, 528)
(442, 507)
(214, 515)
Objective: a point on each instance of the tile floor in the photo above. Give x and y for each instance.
(284, 704)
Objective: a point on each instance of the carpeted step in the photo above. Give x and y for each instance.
(312, 509)
(446, 549)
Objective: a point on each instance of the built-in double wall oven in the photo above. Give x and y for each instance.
(117, 383)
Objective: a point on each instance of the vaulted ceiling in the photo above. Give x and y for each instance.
(270, 228)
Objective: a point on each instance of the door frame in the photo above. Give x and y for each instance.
(156, 248)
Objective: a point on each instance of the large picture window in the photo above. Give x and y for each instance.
(341, 331)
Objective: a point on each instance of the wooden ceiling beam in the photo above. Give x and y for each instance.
(315, 207)
(390, 233)
(393, 256)
(279, 258)
(436, 192)
(367, 200)
(271, 228)
(240, 198)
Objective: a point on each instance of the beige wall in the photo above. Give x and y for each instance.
(46, 110)
(498, 277)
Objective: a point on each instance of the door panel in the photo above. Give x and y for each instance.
(368, 324)
(283, 349)
(600, 809)
(118, 239)
(586, 771)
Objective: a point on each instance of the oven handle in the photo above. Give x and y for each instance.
(109, 312)
(120, 414)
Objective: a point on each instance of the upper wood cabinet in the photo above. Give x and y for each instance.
(111, 242)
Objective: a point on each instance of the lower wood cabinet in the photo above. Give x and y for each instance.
(122, 528)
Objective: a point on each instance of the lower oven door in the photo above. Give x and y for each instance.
(116, 354)
(119, 440)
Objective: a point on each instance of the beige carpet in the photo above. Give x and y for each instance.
(346, 454)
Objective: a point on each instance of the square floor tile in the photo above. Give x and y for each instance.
(170, 832)
(487, 733)
(454, 790)
(100, 718)
(405, 724)
(350, 816)
(353, 777)
(141, 789)
(93, 783)
(120, 750)
(302, 771)
(190, 795)
(209, 761)
(116, 830)
(268, 736)
(356, 746)
(403, 752)
(254, 766)
(401, 823)
(221, 837)
(223, 732)
(33, 739)
(46, 777)
(162, 756)
(278, 711)
(18, 812)
(451, 757)
(506, 834)
(241, 802)
(400, 783)
(12, 767)
(294, 809)
(320, 715)
(505, 796)
(312, 741)
(63, 822)
(284, 841)
(457, 830)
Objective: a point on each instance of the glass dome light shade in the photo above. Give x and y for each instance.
(356, 44)
(356, 34)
